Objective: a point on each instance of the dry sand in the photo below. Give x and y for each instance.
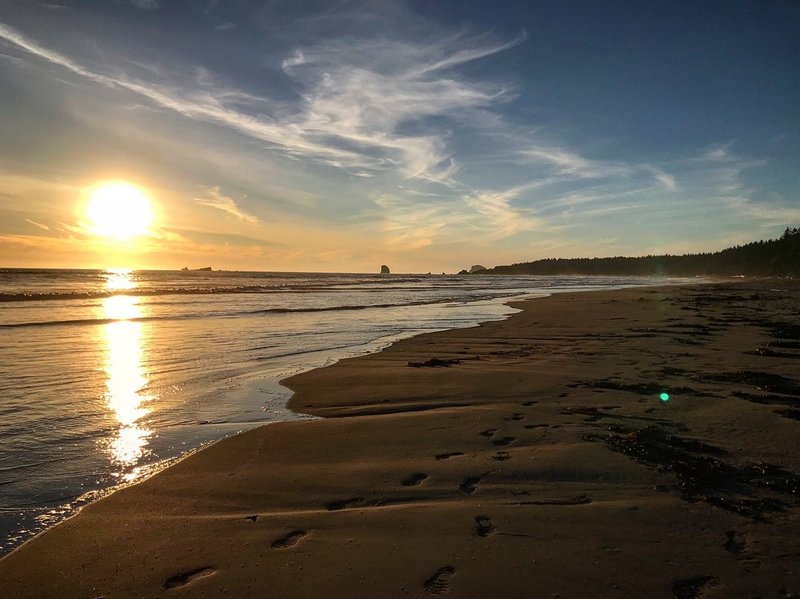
(543, 464)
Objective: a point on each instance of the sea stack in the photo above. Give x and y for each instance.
(476, 268)
(384, 269)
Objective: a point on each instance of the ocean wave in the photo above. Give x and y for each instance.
(306, 287)
(265, 311)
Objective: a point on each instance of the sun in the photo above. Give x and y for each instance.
(120, 210)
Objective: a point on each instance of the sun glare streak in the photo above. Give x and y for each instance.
(125, 375)
(119, 210)
(119, 280)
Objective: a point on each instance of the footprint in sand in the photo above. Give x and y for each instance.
(489, 432)
(185, 578)
(692, 588)
(528, 404)
(515, 417)
(288, 540)
(484, 526)
(736, 543)
(468, 485)
(503, 441)
(501, 456)
(439, 583)
(415, 479)
(448, 455)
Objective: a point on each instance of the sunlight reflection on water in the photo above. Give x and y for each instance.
(125, 377)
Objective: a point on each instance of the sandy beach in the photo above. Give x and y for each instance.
(633, 443)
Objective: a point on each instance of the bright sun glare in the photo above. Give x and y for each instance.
(119, 209)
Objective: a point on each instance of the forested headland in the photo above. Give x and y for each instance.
(766, 258)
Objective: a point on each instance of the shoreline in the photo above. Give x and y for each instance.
(252, 387)
(481, 459)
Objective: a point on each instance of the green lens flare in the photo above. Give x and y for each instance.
(664, 397)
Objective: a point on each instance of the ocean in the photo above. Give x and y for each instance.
(107, 376)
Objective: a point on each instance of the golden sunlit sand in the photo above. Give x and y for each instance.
(533, 457)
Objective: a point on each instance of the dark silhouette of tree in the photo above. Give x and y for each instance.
(776, 257)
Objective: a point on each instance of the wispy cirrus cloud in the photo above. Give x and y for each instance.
(498, 214)
(39, 225)
(215, 199)
(358, 98)
(146, 4)
(568, 164)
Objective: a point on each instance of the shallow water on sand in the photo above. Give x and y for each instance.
(106, 375)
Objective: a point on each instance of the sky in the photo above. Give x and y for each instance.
(425, 135)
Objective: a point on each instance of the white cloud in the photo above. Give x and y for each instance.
(497, 214)
(215, 199)
(664, 178)
(572, 164)
(358, 96)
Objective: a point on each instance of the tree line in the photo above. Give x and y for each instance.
(775, 257)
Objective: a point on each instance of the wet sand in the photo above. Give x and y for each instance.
(526, 458)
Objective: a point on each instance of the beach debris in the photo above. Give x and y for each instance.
(435, 363)
(651, 388)
(791, 414)
(703, 475)
(439, 583)
(771, 383)
(767, 352)
(770, 399)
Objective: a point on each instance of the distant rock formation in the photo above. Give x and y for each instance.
(384, 269)
(476, 268)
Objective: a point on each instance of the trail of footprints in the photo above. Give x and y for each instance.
(439, 582)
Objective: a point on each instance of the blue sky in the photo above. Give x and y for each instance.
(337, 136)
